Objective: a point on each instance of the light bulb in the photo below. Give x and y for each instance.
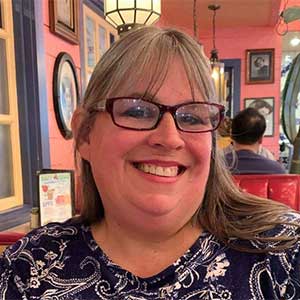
(295, 41)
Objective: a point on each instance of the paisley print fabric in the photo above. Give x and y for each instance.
(61, 261)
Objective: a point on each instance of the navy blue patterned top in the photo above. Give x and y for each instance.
(63, 262)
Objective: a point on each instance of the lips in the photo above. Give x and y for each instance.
(159, 170)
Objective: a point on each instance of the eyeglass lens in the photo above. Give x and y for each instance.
(140, 114)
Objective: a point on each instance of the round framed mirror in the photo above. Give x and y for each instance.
(291, 101)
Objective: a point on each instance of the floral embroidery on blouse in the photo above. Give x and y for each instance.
(63, 262)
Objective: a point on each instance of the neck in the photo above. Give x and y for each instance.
(254, 147)
(128, 249)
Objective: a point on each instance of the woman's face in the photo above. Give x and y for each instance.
(118, 157)
(264, 111)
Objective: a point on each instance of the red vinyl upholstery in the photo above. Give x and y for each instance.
(283, 188)
(8, 238)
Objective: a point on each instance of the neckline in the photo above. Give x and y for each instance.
(165, 276)
(244, 151)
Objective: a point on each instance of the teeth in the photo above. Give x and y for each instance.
(158, 170)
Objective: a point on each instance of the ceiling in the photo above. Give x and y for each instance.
(233, 13)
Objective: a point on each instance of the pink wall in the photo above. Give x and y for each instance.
(61, 150)
(232, 44)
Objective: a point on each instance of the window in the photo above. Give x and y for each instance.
(11, 194)
(98, 36)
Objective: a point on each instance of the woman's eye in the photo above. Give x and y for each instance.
(192, 119)
(138, 112)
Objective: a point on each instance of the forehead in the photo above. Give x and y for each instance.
(174, 83)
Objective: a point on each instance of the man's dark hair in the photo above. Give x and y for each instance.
(248, 126)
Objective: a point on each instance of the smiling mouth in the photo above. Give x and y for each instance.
(159, 170)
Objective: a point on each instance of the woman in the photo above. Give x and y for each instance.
(161, 217)
(262, 106)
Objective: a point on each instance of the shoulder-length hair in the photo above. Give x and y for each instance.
(259, 104)
(145, 55)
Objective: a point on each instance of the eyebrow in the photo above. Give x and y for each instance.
(147, 96)
(152, 98)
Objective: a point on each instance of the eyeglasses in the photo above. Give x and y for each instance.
(139, 114)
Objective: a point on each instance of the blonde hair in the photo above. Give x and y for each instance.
(144, 55)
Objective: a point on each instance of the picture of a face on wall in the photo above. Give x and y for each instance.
(260, 66)
(265, 106)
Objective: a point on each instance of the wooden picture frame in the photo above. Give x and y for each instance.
(259, 66)
(63, 19)
(56, 195)
(265, 105)
(65, 92)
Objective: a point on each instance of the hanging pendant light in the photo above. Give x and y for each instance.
(217, 66)
(128, 14)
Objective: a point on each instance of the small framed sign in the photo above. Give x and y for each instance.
(55, 195)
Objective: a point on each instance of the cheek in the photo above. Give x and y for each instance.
(201, 147)
(110, 145)
(201, 151)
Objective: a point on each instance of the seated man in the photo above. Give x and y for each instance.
(247, 131)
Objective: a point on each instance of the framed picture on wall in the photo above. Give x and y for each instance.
(259, 66)
(265, 106)
(63, 17)
(65, 92)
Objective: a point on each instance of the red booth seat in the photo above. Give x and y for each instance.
(8, 238)
(283, 188)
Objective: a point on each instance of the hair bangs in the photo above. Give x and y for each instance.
(144, 68)
(196, 71)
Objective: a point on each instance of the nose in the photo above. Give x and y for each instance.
(166, 134)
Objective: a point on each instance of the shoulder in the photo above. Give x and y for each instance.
(268, 165)
(289, 227)
(259, 164)
(45, 254)
(49, 238)
(272, 264)
(276, 166)
(285, 264)
(56, 230)
(266, 153)
(47, 243)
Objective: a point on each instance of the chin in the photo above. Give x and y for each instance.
(157, 205)
(166, 207)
